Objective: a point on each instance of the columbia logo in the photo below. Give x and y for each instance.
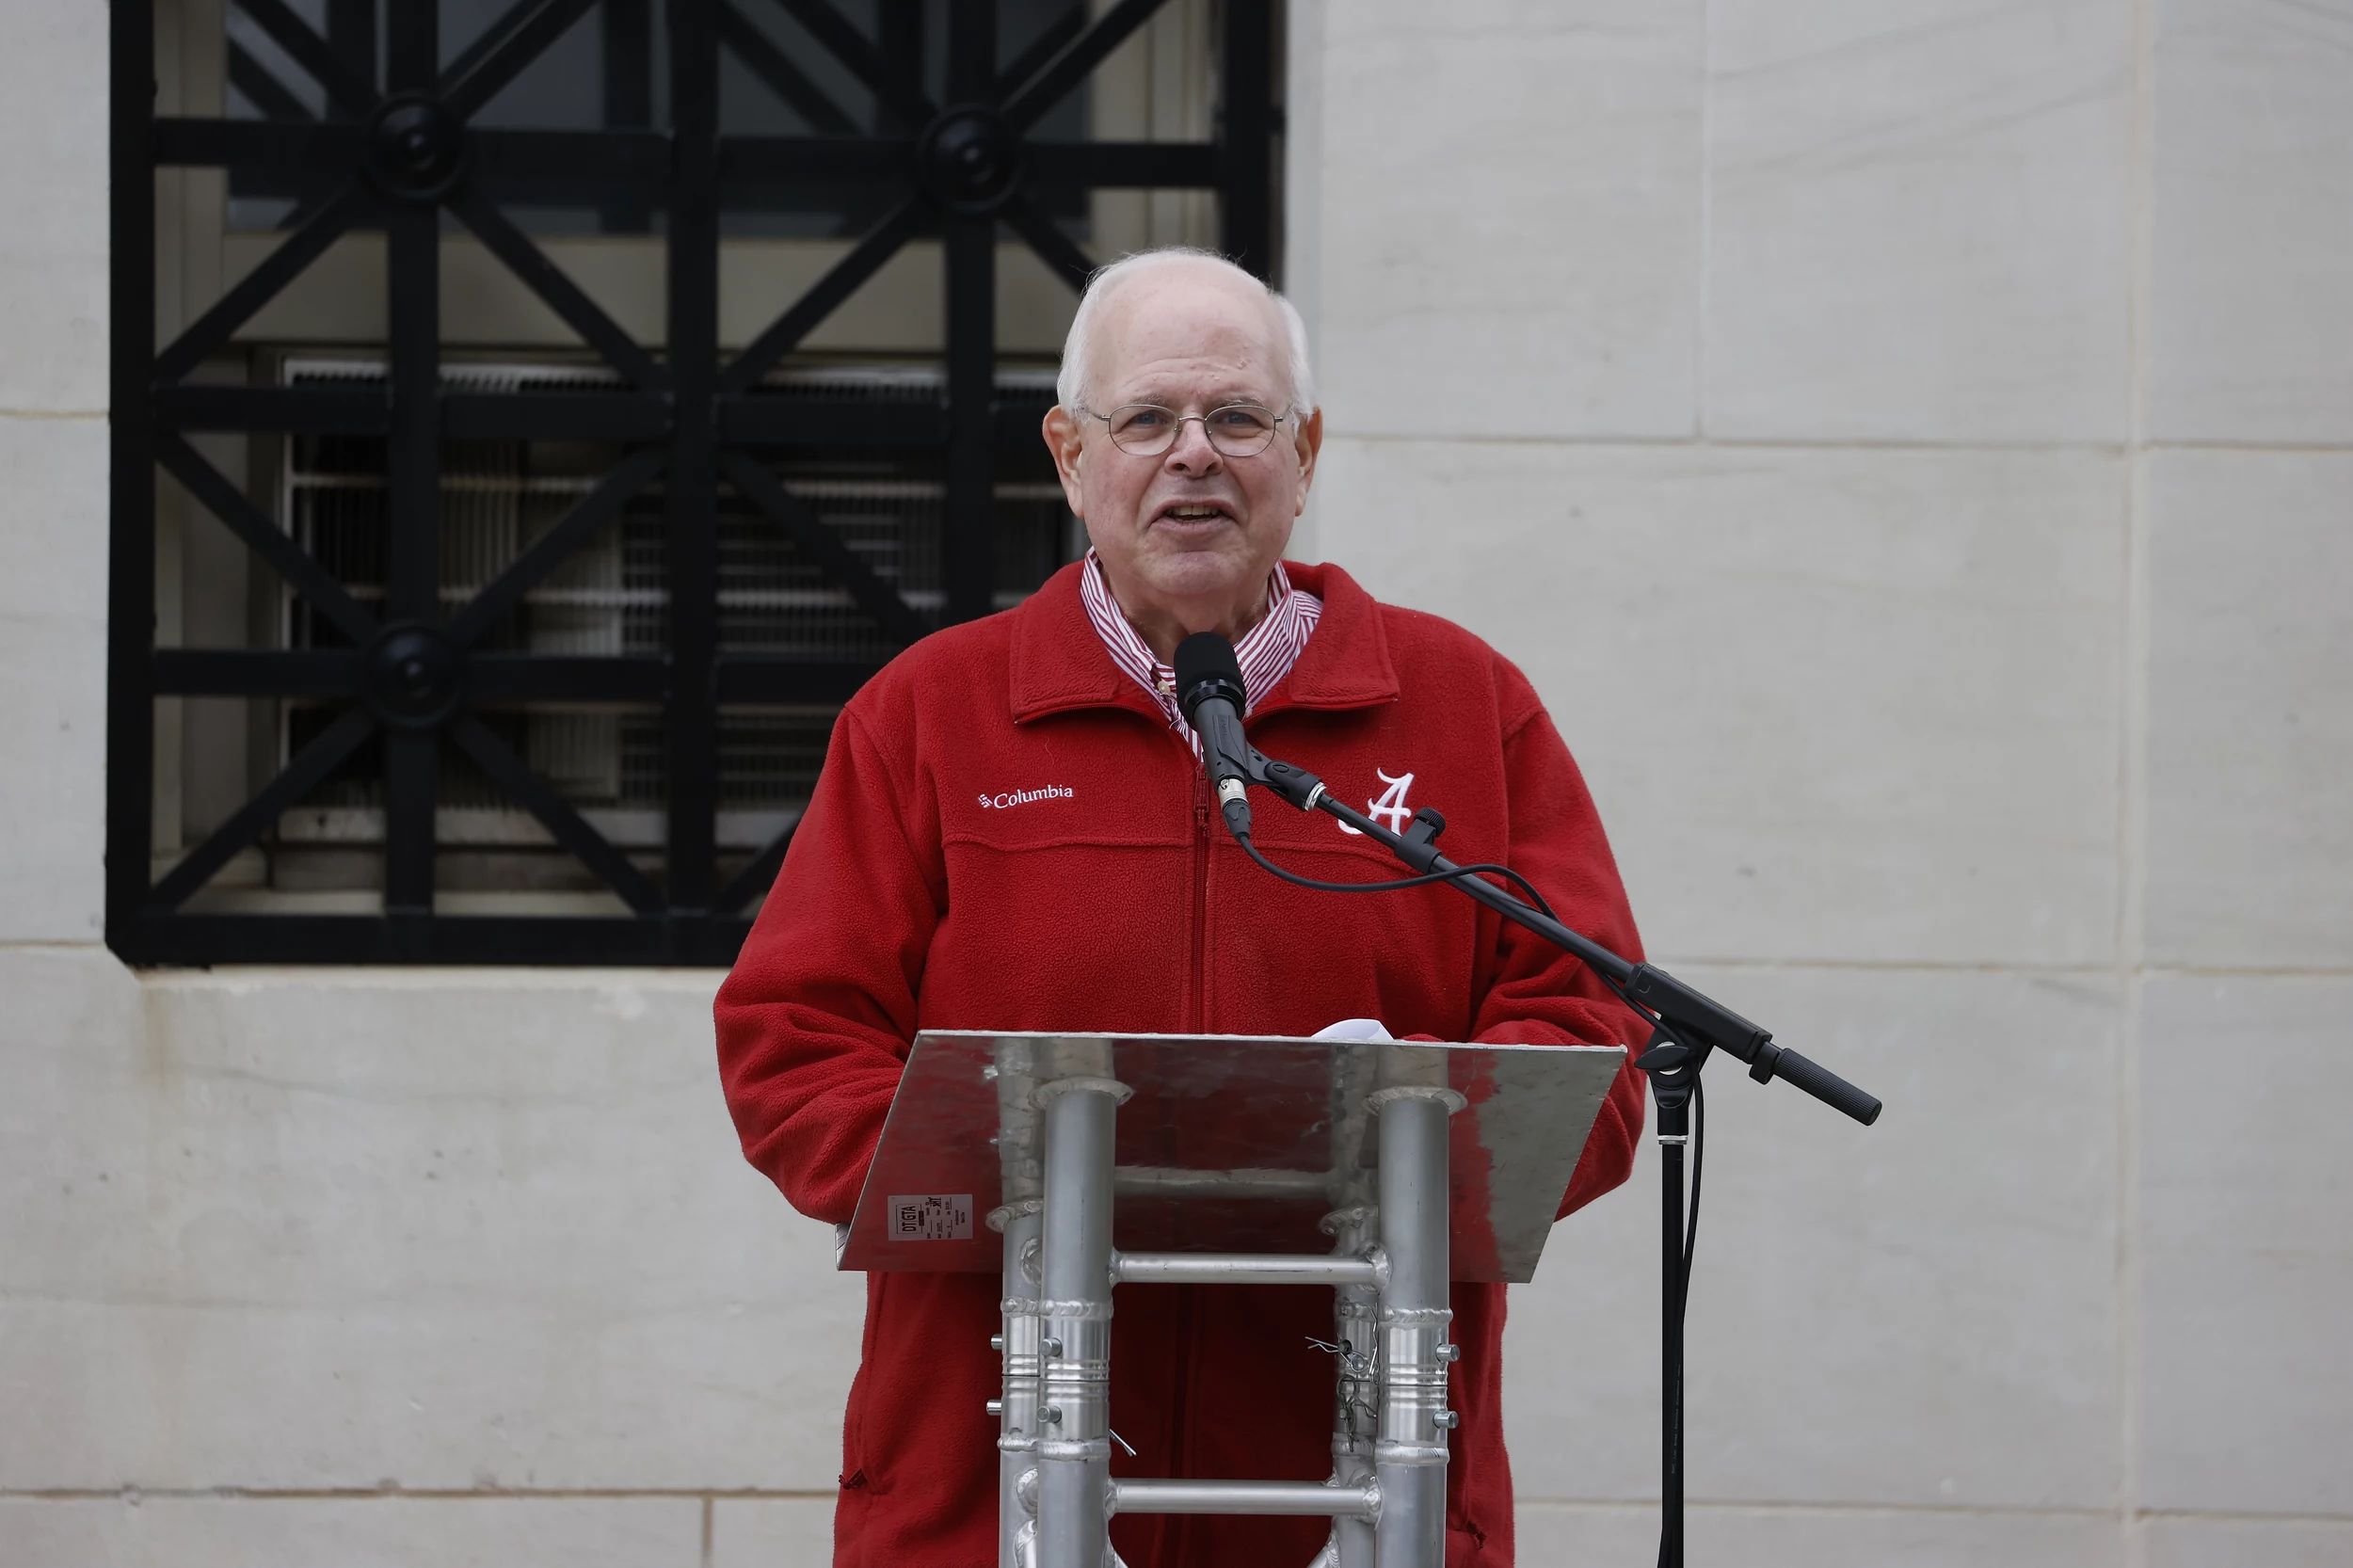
(1023, 797)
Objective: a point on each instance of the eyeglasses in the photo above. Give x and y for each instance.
(1148, 430)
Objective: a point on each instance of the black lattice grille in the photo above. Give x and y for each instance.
(588, 621)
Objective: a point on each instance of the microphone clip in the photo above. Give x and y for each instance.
(1294, 784)
(1419, 848)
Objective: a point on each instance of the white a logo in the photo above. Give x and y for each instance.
(1391, 806)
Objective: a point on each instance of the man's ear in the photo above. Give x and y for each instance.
(1311, 442)
(1062, 434)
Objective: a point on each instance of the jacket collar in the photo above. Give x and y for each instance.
(1059, 663)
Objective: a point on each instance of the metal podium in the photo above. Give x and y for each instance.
(1384, 1169)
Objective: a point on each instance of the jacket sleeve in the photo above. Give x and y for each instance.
(1540, 995)
(816, 1019)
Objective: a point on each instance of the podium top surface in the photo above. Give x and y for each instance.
(1229, 1143)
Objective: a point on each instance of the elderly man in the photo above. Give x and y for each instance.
(1011, 832)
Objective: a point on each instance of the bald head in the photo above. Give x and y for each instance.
(1202, 285)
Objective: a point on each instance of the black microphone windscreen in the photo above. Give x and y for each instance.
(1206, 656)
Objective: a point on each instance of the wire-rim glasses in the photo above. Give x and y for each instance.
(1150, 430)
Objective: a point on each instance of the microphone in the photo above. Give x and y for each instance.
(1209, 690)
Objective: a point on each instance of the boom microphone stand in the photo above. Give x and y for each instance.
(1687, 1026)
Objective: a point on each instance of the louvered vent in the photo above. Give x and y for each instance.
(609, 597)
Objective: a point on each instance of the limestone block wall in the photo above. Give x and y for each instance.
(1909, 445)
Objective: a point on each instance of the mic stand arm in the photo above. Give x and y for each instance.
(1696, 1020)
(1690, 1025)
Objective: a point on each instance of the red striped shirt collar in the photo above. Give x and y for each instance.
(1266, 652)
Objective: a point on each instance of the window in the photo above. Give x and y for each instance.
(531, 424)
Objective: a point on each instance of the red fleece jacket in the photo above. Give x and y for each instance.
(1008, 836)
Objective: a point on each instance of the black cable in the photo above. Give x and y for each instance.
(1458, 873)
(1699, 1115)
(1690, 1239)
(1699, 1154)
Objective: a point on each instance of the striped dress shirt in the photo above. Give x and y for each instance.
(1266, 652)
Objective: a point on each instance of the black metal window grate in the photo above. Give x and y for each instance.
(539, 631)
(609, 597)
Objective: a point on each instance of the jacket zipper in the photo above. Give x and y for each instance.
(1174, 1534)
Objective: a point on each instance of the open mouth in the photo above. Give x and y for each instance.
(1196, 511)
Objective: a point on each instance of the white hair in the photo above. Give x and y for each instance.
(1070, 386)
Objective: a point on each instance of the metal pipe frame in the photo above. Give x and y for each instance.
(1355, 1390)
(1392, 1308)
(1020, 1338)
(1221, 1268)
(1410, 1452)
(1023, 1398)
(1074, 1303)
(1290, 1497)
(1165, 1181)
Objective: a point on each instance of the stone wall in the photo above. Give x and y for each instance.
(1909, 444)
(1911, 448)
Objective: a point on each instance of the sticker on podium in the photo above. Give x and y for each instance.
(931, 1216)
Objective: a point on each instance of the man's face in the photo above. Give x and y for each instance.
(1192, 530)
